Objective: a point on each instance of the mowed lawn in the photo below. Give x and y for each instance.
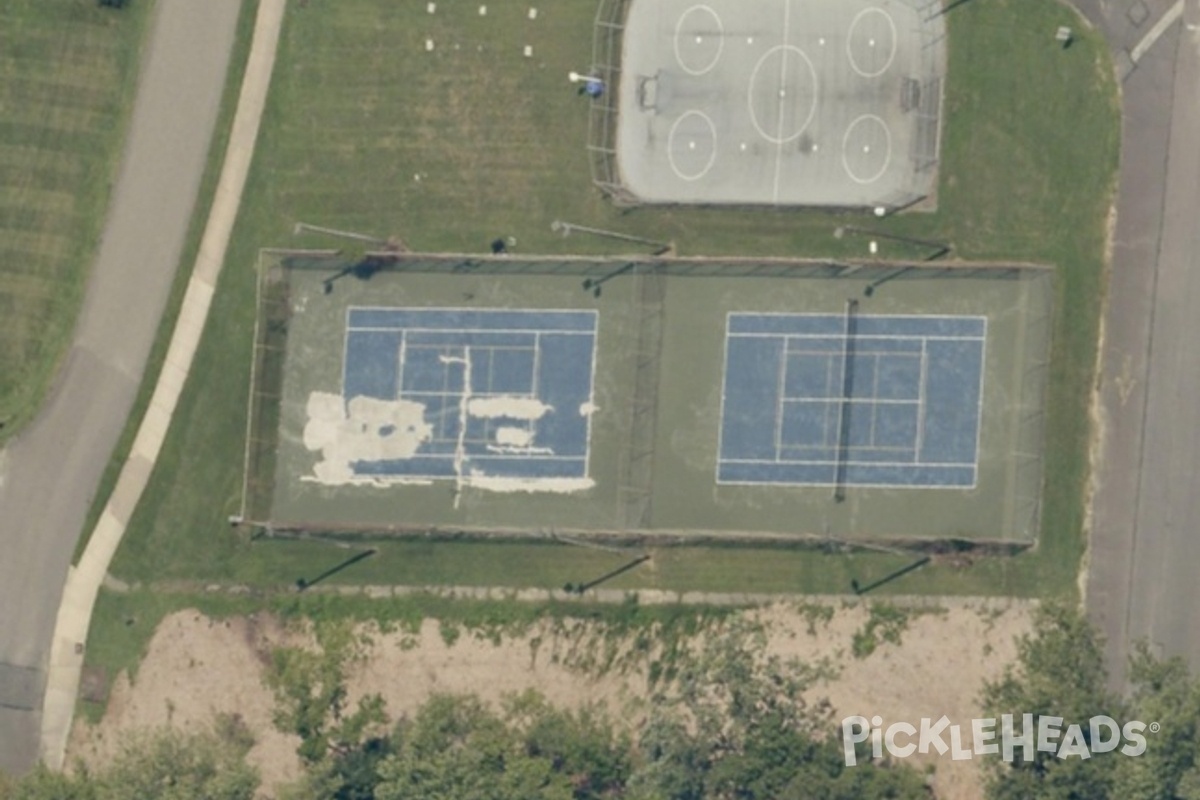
(367, 130)
(68, 71)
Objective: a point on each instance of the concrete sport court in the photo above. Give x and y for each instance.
(782, 102)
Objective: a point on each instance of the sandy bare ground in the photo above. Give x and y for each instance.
(196, 668)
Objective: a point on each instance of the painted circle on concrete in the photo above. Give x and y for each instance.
(692, 145)
(782, 94)
(699, 39)
(867, 149)
(871, 42)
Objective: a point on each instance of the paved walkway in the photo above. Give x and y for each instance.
(645, 597)
(49, 474)
(83, 582)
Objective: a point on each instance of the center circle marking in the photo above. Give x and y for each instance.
(700, 132)
(802, 78)
(873, 62)
(861, 134)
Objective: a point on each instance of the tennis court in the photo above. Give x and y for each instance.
(468, 395)
(693, 398)
(827, 399)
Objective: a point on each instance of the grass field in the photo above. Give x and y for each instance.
(358, 108)
(68, 70)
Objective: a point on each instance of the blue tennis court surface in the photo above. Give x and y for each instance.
(860, 400)
(506, 393)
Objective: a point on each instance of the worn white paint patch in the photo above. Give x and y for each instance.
(514, 437)
(508, 407)
(365, 429)
(555, 485)
(588, 408)
(511, 440)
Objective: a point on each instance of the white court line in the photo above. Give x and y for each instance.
(591, 401)
(522, 331)
(537, 361)
(875, 399)
(533, 380)
(807, 315)
(908, 464)
(879, 336)
(920, 438)
(787, 13)
(896, 353)
(883, 401)
(819, 485)
(721, 411)
(979, 405)
(402, 358)
(780, 395)
(486, 311)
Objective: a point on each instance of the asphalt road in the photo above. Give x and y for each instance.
(49, 475)
(1144, 540)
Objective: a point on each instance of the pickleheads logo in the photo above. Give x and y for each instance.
(1046, 734)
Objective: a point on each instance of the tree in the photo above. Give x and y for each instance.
(1163, 693)
(311, 696)
(169, 765)
(1059, 673)
(735, 725)
(457, 749)
(43, 784)
(162, 764)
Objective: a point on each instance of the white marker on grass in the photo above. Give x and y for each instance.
(431, 7)
(533, 13)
